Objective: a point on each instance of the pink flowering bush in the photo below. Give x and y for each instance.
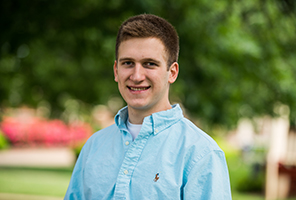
(39, 132)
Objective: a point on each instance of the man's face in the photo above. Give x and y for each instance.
(142, 74)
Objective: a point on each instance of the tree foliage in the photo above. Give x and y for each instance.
(236, 58)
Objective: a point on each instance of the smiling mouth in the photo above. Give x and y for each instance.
(138, 88)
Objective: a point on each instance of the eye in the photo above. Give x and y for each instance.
(127, 63)
(150, 64)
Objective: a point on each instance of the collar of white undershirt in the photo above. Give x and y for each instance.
(134, 129)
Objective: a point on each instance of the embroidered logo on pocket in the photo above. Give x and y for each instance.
(156, 177)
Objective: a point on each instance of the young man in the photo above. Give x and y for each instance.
(152, 151)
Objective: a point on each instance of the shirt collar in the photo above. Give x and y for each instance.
(156, 122)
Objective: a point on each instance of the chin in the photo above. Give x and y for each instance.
(138, 106)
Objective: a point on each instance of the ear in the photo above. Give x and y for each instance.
(173, 72)
(115, 71)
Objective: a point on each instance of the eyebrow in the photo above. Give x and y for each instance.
(125, 59)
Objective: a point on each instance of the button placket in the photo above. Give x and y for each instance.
(130, 161)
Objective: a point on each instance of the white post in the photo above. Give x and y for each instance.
(276, 185)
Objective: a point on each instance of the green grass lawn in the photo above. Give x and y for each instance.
(47, 182)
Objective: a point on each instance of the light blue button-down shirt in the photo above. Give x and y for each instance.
(170, 159)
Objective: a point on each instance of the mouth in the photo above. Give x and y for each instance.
(138, 88)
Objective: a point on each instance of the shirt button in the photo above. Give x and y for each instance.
(125, 172)
(127, 143)
(156, 130)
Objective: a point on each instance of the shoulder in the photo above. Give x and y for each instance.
(196, 136)
(100, 138)
(193, 142)
(105, 132)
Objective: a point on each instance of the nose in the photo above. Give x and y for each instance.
(137, 73)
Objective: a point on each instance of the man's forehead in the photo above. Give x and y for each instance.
(160, 47)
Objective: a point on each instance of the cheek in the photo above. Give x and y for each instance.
(123, 75)
(160, 80)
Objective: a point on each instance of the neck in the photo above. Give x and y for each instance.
(136, 116)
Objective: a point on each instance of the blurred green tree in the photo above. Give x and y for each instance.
(236, 59)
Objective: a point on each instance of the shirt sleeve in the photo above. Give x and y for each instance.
(208, 179)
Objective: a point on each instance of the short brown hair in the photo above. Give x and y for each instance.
(148, 25)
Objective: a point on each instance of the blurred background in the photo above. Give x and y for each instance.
(236, 82)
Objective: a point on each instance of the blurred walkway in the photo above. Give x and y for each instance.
(37, 157)
(6, 196)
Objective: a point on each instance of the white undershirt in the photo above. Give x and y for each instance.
(134, 129)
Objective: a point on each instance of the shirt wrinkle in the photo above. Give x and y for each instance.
(198, 159)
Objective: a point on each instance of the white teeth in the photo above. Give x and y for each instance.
(138, 89)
